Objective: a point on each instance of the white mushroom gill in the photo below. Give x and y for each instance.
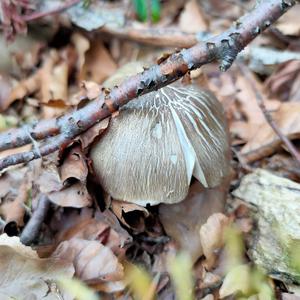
(158, 142)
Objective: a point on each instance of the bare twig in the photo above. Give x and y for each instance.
(32, 228)
(162, 37)
(260, 101)
(223, 48)
(39, 15)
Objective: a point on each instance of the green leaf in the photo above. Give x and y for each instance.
(141, 9)
(155, 10)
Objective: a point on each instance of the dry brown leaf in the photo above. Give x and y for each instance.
(13, 211)
(93, 262)
(10, 182)
(82, 44)
(90, 135)
(47, 177)
(295, 89)
(24, 87)
(5, 90)
(74, 166)
(98, 64)
(182, 221)
(192, 19)
(94, 229)
(91, 89)
(289, 23)
(280, 82)
(24, 275)
(54, 78)
(212, 237)
(75, 195)
(266, 141)
(88, 90)
(121, 208)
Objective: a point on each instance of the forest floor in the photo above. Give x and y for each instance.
(62, 237)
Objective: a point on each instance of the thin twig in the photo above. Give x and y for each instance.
(224, 48)
(32, 228)
(260, 101)
(42, 14)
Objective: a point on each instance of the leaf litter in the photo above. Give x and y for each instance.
(85, 234)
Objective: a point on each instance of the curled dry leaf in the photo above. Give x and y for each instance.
(51, 184)
(24, 275)
(182, 221)
(212, 237)
(93, 263)
(93, 229)
(122, 208)
(74, 166)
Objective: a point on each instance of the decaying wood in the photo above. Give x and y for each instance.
(223, 48)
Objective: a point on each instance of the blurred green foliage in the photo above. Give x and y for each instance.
(77, 289)
(142, 6)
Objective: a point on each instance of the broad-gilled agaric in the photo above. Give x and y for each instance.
(159, 141)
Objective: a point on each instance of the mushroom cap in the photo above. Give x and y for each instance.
(151, 150)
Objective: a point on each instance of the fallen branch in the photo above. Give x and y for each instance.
(32, 228)
(223, 48)
(162, 37)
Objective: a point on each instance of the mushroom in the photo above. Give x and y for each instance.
(159, 141)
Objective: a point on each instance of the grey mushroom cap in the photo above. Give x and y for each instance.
(151, 150)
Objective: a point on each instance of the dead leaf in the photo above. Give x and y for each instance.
(88, 137)
(288, 24)
(121, 208)
(82, 44)
(93, 262)
(280, 82)
(14, 211)
(266, 141)
(24, 275)
(193, 11)
(96, 230)
(212, 237)
(75, 195)
(47, 177)
(24, 87)
(54, 78)
(98, 64)
(5, 90)
(182, 221)
(74, 166)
